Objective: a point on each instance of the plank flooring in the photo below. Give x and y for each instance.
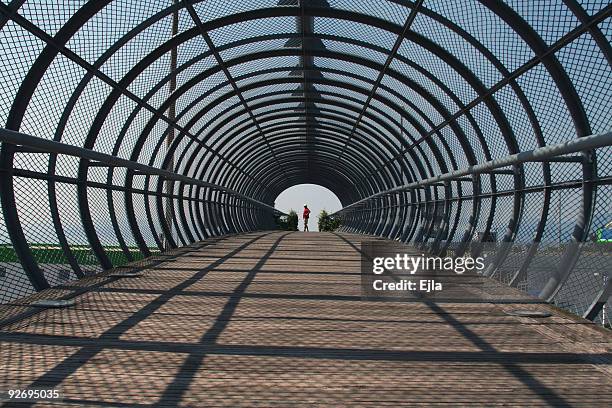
(277, 319)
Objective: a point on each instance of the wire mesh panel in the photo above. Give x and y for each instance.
(524, 240)
(14, 282)
(594, 266)
(39, 230)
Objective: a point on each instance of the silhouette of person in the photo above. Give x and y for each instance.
(305, 216)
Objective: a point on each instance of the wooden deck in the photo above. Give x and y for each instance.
(277, 319)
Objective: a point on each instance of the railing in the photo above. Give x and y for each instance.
(560, 268)
(200, 210)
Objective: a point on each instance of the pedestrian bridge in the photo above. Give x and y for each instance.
(143, 145)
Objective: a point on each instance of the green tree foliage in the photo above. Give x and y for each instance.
(328, 223)
(292, 221)
(287, 222)
(281, 222)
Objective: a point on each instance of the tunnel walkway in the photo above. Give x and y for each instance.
(277, 318)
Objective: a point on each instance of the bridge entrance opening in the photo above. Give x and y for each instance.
(317, 197)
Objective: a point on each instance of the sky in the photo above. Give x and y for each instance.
(317, 197)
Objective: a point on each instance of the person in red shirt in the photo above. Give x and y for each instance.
(305, 216)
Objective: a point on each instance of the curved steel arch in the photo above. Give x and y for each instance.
(241, 126)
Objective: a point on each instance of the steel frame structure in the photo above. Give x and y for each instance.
(152, 125)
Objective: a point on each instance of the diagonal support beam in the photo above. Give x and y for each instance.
(573, 34)
(198, 22)
(8, 12)
(381, 74)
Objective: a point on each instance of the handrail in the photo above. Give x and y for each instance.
(539, 154)
(51, 146)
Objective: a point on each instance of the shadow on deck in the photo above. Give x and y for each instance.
(277, 318)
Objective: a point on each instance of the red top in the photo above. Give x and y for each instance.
(306, 213)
